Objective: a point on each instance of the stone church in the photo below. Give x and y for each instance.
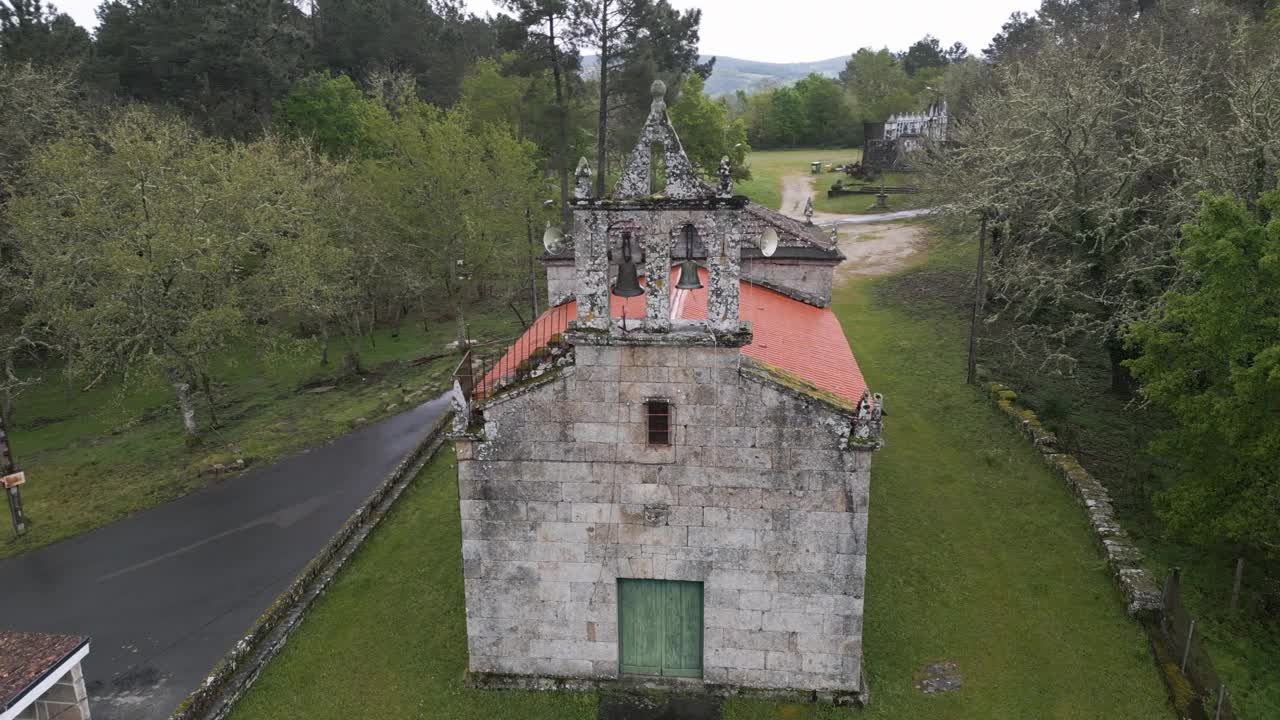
(665, 480)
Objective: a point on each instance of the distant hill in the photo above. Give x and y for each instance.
(733, 74)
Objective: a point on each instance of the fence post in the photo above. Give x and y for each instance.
(1235, 588)
(1186, 651)
(1222, 695)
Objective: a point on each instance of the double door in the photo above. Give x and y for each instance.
(660, 627)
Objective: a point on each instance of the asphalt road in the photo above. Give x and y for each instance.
(165, 593)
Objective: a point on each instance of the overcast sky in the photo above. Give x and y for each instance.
(801, 30)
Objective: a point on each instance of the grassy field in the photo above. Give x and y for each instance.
(865, 204)
(976, 555)
(768, 167)
(1109, 434)
(97, 456)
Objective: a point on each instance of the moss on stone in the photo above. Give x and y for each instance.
(798, 384)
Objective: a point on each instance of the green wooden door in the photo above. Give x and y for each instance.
(660, 627)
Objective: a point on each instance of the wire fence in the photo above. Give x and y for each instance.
(1187, 643)
(478, 376)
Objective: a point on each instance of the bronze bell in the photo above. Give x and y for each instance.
(688, 269)
(628, 284)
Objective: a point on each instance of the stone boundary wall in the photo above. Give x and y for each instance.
(240, 667)
(1142, 595)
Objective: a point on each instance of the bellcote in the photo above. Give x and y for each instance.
(659, 194)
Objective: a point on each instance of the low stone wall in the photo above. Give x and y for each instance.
(240, 667)
(1142, 594)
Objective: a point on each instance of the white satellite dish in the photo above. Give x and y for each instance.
(768, 242)
(552, 237)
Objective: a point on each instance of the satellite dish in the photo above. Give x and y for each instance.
(768, 242)
(551, 238)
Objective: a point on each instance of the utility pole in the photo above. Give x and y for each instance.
(533, 278)
(12, 481)
(979, 294)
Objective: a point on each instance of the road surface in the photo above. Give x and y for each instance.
(165, 593)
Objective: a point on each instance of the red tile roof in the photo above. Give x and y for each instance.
(801, 339)
(25, 658)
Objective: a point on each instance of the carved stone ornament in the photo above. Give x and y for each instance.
(582, 180)
(726, 178)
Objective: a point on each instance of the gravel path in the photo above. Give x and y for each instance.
(872, 245)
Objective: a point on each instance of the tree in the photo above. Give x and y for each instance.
(1019, 33)
(434, 42)
(707, 133)
(450, 191)
(142, 242)
(827, 118)
(37, 105)
(554, 27)
(925, 53)
(1210, 355)
(639, 39)
(33, 32)
(877, 85)
(1089, 163)
(333, 114)
(224, 63)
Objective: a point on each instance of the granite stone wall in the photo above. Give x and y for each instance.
(760, 498)
(807, 279)
(560, 279)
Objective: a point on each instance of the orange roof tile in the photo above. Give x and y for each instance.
(801, 339)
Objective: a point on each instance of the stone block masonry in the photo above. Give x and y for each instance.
(759, 497)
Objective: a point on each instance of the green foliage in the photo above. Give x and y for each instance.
(224, 63)
(874, 84)
(143, 242)
(495, 92)
(36, 105)
(813, 112)
(450, 191)
(707, 133)
(928, 54)
(333, 114)
(98, 455)
(432, 43)
(31, 31)
(1211, 357)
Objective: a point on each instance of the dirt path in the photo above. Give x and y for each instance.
(795, 190)
(872, 247)
(877, 249)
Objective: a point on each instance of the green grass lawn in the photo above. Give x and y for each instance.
(976, 555)
(768, 167)
(96, 456)
(1110, 433)
(389, 638)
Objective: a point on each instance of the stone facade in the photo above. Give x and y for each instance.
(760, 497)
(738, 507)
(889, 144)
(807, 280)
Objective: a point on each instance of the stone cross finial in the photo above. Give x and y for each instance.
(808, 210)
(726, 178)
(582, 180)
(658, 90)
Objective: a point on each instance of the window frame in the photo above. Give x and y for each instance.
(668, 415)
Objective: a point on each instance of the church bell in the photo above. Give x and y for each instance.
(688, 269)
(628, 284)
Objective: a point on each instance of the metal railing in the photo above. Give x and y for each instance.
(1186, 641)
(479, 376)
